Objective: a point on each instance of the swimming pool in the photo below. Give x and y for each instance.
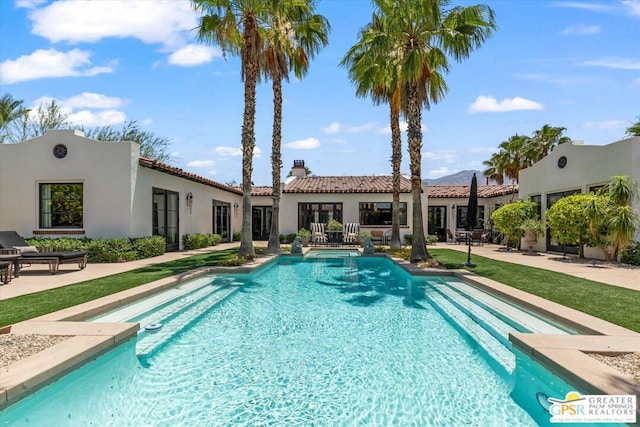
(350, 341)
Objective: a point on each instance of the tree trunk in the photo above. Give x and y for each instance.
(249, 56)
(396, 160)
(276, 165)
(418, 247)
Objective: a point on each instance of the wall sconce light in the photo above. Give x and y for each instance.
(235, 208)
(453, 208)
(189, 200)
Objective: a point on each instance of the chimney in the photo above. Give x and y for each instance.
(298, 170)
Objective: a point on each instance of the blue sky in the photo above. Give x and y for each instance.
(574, 64)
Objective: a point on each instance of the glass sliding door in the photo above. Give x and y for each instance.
(165, 217)
(261, 225)
(221, 217)
(437, 222)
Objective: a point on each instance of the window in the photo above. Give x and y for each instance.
(318, 212)
(61, 205)
(379, 213)
(537, 199)
(461, 217)
(165, 218)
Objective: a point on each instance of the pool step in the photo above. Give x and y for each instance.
(494, 349)
(183, 311)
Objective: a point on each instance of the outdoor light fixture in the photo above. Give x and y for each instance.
(189, 200)
(453, 207)
(235, 208)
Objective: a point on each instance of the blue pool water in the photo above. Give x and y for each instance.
(350, 341)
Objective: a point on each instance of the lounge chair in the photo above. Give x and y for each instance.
(318, 234)
(10, 241)
(350, 232)
(377, 237)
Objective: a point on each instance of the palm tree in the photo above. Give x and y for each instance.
(424, 34)
(543, 142)
(289, 44)
(375, 74)
(235, 25)
(494, 169)
(634, 129)
(10, 111)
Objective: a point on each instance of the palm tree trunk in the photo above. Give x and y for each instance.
(276, 165)
(414, 133)
(396, 160)
(250, 59)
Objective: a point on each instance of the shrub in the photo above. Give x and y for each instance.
(148, 247)
(111, 250)
(215, 239)
(303, 232)
(237, 236)
(287, 238)
(408, 238)
(46, 244)
(431, 240)
(631, 255)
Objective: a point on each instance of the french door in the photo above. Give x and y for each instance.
(437, 222)
(222, 220)
(165, 217)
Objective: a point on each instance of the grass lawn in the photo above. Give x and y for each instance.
(611, 303)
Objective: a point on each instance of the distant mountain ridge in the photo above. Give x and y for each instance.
(460, 178)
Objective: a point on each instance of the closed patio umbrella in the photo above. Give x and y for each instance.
(471, 221)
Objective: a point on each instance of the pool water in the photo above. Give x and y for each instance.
(350, 341)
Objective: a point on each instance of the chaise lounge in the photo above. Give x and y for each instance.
(12, 242)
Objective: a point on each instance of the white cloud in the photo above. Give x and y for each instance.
(78, 21)
(403, 128)
(484, 104)
(582, 5)
(581, 29)
(29, 4)
(437, 173)
(446, 156)
(337, 127)
(100, 118)
(194, 54)
(49, 63)
(303, 144)
(633, 6)
(615, 62)
(201, 163)
(236, 151)
(212, 172)
(605, 125)
(93, 100)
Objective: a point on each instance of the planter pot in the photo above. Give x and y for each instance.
(530, 240)
(305, 240)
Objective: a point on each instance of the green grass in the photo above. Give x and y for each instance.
(25, 307)
(614, 304)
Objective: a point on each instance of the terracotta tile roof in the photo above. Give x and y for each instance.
(171, 170)
(260, 190)
(462, 191)
(346, 184)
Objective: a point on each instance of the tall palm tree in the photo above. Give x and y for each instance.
(290, 42)
(543, 142)
(427, 33)
(235, 25)
(634, 129)
(375, 73)
(10, 111)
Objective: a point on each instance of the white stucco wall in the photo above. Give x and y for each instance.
(587, 166)
(104, 168)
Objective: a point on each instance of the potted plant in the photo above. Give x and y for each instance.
(533, 229)
(305, 236)
(334, 226)
(362, 235)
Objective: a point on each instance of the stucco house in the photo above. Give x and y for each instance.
(578, 168)
(64, 184)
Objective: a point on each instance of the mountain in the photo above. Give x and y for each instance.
(460, 178)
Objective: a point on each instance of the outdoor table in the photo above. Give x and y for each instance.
(334, 237)
(16, 263)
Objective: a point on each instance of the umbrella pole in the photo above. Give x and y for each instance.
(469, 263)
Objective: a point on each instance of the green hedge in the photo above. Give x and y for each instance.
(197, 241)
(428, 239)
(104, 250)
(631, 255)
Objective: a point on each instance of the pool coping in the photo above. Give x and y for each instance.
(565, 356)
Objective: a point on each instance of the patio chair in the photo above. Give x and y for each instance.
(455, 239)
(5, 271)
(350, 232)
(377, 237)
(12, 241)
(318, 234)
(476, 236)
